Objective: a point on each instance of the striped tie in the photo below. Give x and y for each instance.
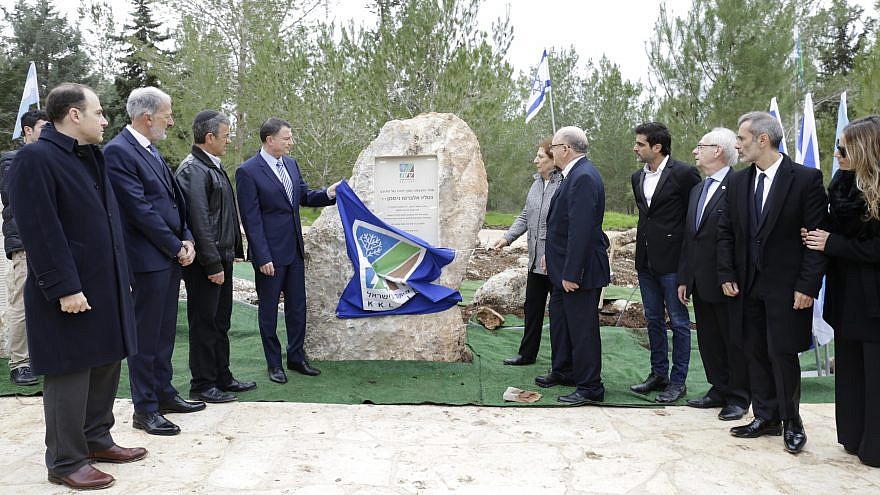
(285, 180)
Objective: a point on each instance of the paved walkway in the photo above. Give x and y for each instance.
(277, 448)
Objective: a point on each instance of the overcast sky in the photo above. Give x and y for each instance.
(619, 29)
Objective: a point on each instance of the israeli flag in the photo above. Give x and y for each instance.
(842, 121)
(809, 157)
(774, 111)
(30, 96)
(540, 86)
(393, 269)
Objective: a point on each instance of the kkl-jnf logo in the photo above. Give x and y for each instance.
(387, 260)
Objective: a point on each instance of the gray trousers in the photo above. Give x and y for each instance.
(79, 415)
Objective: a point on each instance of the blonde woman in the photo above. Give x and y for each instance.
(852, 291)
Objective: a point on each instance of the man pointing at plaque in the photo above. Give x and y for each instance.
(270, 192)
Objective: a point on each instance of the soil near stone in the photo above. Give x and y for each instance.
(485, 263)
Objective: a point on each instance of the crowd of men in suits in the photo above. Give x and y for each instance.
(110, 233)
(731, 243)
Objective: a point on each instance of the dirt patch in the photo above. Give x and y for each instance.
(485, 263)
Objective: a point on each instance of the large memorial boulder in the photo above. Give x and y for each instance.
(450, 215)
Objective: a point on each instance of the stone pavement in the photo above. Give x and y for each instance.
(276, 448)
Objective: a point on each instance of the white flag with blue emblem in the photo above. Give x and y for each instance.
(808, 152)
(540, 86)
(774, 111)
(842, 121)
(30, 96)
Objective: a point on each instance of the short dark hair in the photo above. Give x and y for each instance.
(31, 117)
(271, 127)
(207, 122)
(64, 97)
(656, 133)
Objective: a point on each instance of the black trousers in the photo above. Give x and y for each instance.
(722, 357)
(774, 376)
(537, 289)
(208, 311)
(575, 346)
(79, 415)
(857, 397)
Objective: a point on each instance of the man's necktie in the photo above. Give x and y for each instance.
(759, 196)
(285, 180)
(165, 171)
(701, 205)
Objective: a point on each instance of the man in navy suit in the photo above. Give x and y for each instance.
(158, 243)
(661, 190)
(270, 192)
(721, 351)
(576, 258)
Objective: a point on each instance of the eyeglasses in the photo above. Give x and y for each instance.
(842, 150)
(558, 144)
(701, 146)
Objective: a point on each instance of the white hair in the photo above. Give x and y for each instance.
(726, 140)
(574, 137)
(146, 100)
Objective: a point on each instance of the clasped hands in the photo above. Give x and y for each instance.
(187, 253)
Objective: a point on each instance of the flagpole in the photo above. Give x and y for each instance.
(550, 92)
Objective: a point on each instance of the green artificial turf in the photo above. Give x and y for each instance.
(480, 382)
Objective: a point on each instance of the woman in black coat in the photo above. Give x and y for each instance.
(852, 290)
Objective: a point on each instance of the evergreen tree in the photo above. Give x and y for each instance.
(141, 39)
(39, 34)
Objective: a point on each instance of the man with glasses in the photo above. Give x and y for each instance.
(770, 274)
(721, 352)
(662, 189)
(212, 217)
(576, 259)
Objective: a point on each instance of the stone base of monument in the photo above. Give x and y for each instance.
(423, 175)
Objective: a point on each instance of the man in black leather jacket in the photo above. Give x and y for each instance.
(213, 220)
(19, 361)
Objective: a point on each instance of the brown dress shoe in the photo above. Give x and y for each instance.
(84, 478)
(119, 455)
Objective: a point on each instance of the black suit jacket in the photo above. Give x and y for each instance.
(661, 226)
(796, 199)
(698, 266)
(577, 248)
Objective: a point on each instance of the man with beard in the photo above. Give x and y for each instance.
(158, 243)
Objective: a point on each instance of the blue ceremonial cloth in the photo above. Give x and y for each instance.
(393, 270)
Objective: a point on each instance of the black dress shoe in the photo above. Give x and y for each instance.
(672, 393)
(234, 385)
(705, 402)
(518, 360)
(731, 412)
(303, 368)
(178, 405)
(653, 382)
(277, 375)
(552, 379)
(154, 424)
(212, 395)
(793, 435)
(578, 398)
(23, 376)
(757, 428)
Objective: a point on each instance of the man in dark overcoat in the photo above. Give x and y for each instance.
(78, 304)
(770, 275)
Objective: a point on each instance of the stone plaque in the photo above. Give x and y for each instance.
(446, 159)
(406, 194)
